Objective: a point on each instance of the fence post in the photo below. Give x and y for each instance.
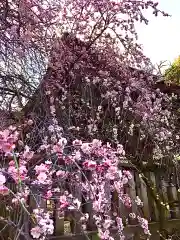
(76, 214)
(59, 221)
(152, 203)
(163, 186)
(132, 194)
(143, 194)
(172, 193)
(88, 206)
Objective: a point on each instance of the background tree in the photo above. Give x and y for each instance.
(172, 74)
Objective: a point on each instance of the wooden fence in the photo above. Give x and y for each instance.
(165, 187)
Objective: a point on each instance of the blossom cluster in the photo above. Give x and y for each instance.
(3, 189)
(45, 225)
(48, 179)
(8, 138)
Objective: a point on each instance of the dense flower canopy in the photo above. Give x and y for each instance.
(67, 163)
(29, 29)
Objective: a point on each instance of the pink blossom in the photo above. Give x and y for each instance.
(7, 141)
(12, 163)
(128, 174)
(47, 226)
(77, 203)
(51, 128)
(127, 201)
(85, 148)
(17, 173)
(138, 201)
(85, 217)
(118, 185)
(2, 179)
(15, 201)
(97, 205)
(7, 147)
(52, 109)
(27, 153)
(62, 142)
(57, 148)
(30, 122)
(22, 172)
(41, 168)
(4, 134)
(120, 150)
(119, 223)
(4, 190)
(124, 180)
(77, 142)
(63, 201)
(13, 171)
(96, 143)
(112, 172)
(49, 194)
(77, 156)
(44, 147)
(22, 169)
(107, 223)
(36, 232)
(91, 165)
(48, 163)
(60, 173)
(42, 177)
(103, 235)
(144, 224)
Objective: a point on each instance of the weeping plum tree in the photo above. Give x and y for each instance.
(29, 29)
(88, 50)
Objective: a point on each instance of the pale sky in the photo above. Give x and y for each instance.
(161, 38)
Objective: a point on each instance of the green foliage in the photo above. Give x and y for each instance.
(172, 74)
(95, 237)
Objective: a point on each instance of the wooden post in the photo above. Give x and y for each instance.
(115, 204)
(124, 211)
(35, 202)
(143, 195)
(59, 221)
(152, 204)
(88, 208)
(163, 188)
(132, 194)
(76, 214)
(172, 193)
